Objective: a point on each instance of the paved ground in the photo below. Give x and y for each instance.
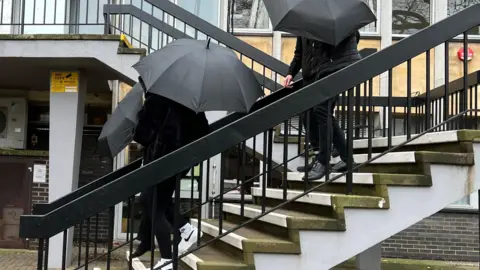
(26, 260)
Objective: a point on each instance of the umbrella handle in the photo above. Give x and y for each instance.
(142, 83)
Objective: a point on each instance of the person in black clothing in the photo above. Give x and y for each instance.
(163, 127)
(318, 60)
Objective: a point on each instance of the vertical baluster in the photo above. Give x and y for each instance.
(370, 117)
(264, 172)
(222, 188)
(80, 243)
(242, 178)
(364, 109)
(328, 152)
(285, 162)
(427, 89)
(152, 226)
(45, 262)
(176, 221)
(409, 98)
(207, 191)
(446, 104)
(111, 220)
(95, 252)
(130, 230)
(476, 108)
(64, 250)
(270, 156)
(299, 135)
(192, 191)
(200, 198)
(385, 124)
(390, 95)
(465, 78)
(307, 147)
(470, 108)
(87, 244)
(41, 246)
(357, 112)
(350, 142)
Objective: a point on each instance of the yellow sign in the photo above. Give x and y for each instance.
(64, 82)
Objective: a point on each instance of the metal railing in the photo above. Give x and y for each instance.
(459, 107)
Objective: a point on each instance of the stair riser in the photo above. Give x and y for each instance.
(259, 225)
(368, 190)
(320, 210)
(402, 168)
(225, 247)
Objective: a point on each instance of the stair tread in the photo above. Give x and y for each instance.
(246, 232)
(287, 213)
(211, 254)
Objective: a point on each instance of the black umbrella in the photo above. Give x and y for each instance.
(117, 132)
(201, 76)
(329, 21)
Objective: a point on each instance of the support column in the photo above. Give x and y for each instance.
(386, 41)
(67, 100)
(370, 259)
(439, 10)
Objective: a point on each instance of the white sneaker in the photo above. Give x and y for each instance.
(162, 262)
(188, 240)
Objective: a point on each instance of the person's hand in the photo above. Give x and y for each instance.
(288, 82)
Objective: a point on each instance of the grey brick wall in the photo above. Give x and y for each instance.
(40, 190)
(443, 236)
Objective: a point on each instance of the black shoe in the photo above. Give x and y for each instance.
(141, 249)
(341, 166)
(316, 173)
(309, 167)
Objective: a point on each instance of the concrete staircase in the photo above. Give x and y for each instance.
(325, 228)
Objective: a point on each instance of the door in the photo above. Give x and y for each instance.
(15, 190)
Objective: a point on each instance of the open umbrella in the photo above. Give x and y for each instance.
(328, 21)
(201, 76)
(117, 132)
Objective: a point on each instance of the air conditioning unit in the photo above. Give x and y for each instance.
(13, 123)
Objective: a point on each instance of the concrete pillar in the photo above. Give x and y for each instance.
(370, 259)
(439, 10)
(66, 129)
(385, 41)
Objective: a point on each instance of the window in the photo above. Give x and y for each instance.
(250, 14)
(373, 27)
(6, 17)
(205, 9)
(410, 16)
(455, 6)
(469, 202)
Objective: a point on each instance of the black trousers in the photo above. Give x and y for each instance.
(320, 131)
(164, 216)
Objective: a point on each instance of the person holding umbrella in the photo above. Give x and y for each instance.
(183, 80)
(163, 127)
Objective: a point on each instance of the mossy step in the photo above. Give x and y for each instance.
(368, 179)
(212, 258)
(246, 241)
(285, 218)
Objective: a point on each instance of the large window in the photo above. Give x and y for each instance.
(455, 6)
(250, 15)
(410, 16)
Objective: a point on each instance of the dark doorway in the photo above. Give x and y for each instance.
(15, 193)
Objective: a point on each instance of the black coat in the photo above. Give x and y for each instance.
(316, 58)
(165, 126)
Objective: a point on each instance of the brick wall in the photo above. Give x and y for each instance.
(40, 190)
(443, 236)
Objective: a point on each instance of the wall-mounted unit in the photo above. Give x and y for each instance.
(13, 123)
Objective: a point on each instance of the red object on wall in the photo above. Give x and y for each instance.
(460, 54)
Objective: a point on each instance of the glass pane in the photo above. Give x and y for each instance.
(464, 201)
(409, 16)
(6, 17)
(205, 9)
(250, 14)
(455, 6)
(371, 28)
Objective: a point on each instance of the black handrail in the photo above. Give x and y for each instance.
(44, 226)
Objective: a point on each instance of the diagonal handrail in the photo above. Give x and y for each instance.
(45, 226)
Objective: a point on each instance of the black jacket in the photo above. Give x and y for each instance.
(164, 126)
(316, 58)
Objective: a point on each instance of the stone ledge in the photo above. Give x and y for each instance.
(138, 51)
(23, 153)
(402, 264)
(60, 37)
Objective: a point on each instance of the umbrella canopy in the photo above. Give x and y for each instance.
(117, 132)
(201, 76)
(329, 21)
